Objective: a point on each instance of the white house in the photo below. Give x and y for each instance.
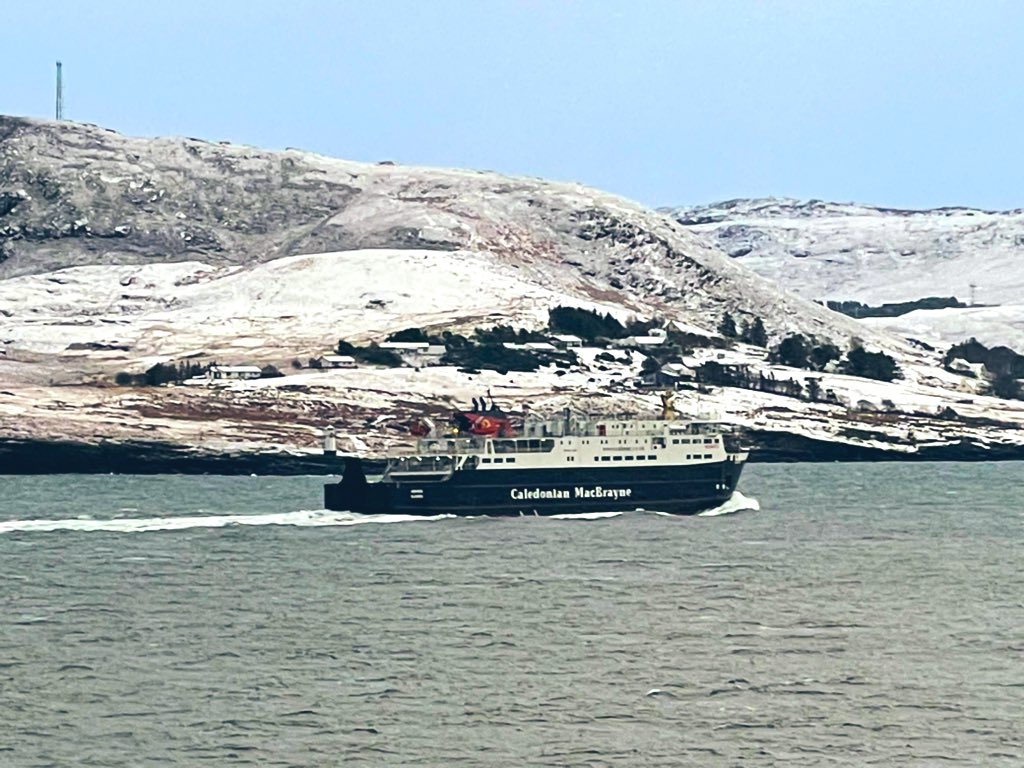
(416, 353)
(233, 372)
(336, 361)
(651, 340)
(404, 346)
(530, 346)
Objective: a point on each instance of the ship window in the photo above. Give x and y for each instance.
(630, 458)
(498, 461)
(485, 461)
(616, 458)
(651, 458)
(510, 460)
(707, 455)
(606, 458)
(596, 459)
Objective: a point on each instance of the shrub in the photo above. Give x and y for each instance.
(374, 355)
(1005, 386)
(869, 365)
(792, 351)
(409, 334)
(823, 354)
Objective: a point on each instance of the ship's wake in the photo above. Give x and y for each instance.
(300, 518)
(320, 518)
(735, 503)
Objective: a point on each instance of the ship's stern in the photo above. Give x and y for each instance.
(354, 493)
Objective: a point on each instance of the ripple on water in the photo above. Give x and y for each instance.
(822, 630)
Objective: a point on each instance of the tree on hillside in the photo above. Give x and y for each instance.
(813, 389)
(869, 365)
(792, 351)
(754, 333)
(650, 365)
(823, 354)
(727, 326)
(1006, 386)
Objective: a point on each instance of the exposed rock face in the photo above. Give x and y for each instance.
(76, 195)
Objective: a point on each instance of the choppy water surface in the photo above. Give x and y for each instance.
(866, 615)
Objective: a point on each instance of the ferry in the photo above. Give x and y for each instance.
(483, 464)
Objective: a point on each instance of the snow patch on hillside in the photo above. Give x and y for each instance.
(171, 310)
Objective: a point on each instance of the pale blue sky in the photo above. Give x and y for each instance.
(906, 103)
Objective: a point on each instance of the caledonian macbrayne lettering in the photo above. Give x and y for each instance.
(579, 492)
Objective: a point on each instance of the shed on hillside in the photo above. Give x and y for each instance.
(566, 341)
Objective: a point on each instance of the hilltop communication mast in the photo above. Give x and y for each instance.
(60, 94)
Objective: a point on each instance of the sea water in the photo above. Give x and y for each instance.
(865, 614)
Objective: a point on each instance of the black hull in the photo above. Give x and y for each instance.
(681, 490)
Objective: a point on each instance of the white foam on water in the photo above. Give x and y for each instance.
(301, 518)
(585, 515)
(318, 518)
(735, 503)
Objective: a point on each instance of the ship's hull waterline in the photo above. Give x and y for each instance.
(676, 489)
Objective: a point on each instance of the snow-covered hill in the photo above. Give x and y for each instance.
(78, 195)
(833, 251)
(116, 253)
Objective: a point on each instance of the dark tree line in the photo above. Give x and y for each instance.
(856, 309)
(162, 373)
(751, 332)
